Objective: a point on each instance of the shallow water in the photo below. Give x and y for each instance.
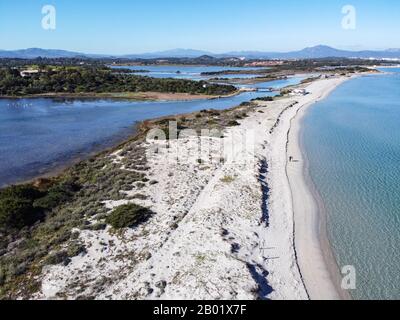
(189, 72)
(277, 84)
(37, 135)
(352, 142)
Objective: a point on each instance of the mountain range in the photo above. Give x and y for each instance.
(316, 52)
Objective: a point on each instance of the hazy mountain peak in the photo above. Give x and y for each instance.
(319, 51)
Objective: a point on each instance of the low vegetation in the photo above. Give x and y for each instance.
(127, 216)
(17, 207)
(80, 80)
(227, 179)
(22, 206)
(264, 99)
(39, 221)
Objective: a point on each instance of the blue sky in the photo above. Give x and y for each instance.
(135, 26)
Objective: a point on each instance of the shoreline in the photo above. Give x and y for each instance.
(315, 258)
(113, 144)
(68, 162)
(327, 249)
(287, 249)
(139, 96)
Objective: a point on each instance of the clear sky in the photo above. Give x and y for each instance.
(136, 26)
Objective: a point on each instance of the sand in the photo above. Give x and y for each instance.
(314, 256)
(240, 224)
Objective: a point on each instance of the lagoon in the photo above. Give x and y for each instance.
(188, 72)
(39, 135)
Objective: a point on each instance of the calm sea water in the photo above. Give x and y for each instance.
(352, 140)
(38, 135)
(277, 84)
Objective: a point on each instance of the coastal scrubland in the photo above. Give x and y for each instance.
(90, 80)
(39, 220)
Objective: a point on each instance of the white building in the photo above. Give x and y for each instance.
(28, 73)
(299, 92)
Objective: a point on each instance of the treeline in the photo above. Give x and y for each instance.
(97, 80)
(78, 61)
(43, 62)
(313, 64)
(306, 65)
(199, 61)
(203, 60)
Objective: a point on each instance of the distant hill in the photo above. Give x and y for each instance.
(37, 52)
(325, 51)
(320, 52)
(33, 53)
(175, 53)
(307, 53)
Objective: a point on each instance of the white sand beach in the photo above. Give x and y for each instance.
(247, 227)
(314, 256)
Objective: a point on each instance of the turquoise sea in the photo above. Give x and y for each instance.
(352, 142)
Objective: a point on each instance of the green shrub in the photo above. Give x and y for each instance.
(56, 195)
(75, 249)
(21, 191)
(227, 179)
(2, 276)
(128, 216)
(140, 196)
(16, 207)
(97, 227)
(60, 257)
(233, 123)
(22, 206)
(264, 99)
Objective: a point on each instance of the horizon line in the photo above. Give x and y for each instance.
(203, 50)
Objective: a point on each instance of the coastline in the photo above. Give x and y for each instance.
(319, 269)
(57, 170)
(260, 206)
(212, 219)
(135, 96)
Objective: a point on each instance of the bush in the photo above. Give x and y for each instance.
(21, 191)
(60, 257)
(16, 207)
(233, 123)
(57, 195)
(22, 206)
(227, 179)
(245, 104)
(2, 276)
(264, 99)
(75, 249)
(128, 216)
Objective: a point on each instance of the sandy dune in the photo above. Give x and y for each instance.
(236, 225)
